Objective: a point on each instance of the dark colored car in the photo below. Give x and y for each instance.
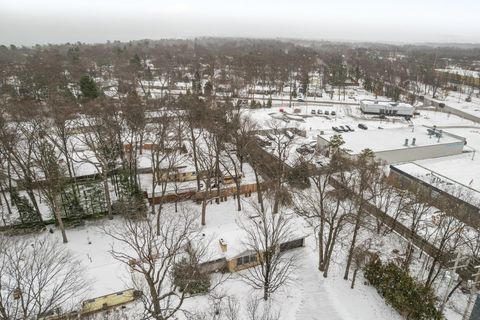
(336, 129)
(349, 128)
(362, 126)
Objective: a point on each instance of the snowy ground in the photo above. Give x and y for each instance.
(457, 101)
(310, 296)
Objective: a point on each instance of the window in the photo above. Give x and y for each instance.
(291, 245)
(246, 259)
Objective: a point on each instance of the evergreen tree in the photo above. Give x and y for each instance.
(208, 89)
(88, 87)
(269, 103)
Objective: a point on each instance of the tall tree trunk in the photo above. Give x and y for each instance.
(195, 159)
(58, 216)
(352, 245)
(259, 189)
(31, 195)
(204, 210)
(321, 265)
(354, 278)
(106, 189)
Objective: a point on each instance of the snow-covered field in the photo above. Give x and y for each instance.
(310, 296)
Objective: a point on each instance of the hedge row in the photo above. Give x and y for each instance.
(411, 299)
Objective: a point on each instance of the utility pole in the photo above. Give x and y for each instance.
(453, 274)
(473, 286)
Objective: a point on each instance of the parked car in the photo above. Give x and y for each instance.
(327, 112)
(362, 126)
(289, 134)
(312, 112)
(349, 128)
(342, 128)
(333, 113)
(335, 129)
(320, 163)
(305, 150)
(319, 111)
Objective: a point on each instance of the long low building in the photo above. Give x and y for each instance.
(387, 108)
(399, 144)
(441, 186)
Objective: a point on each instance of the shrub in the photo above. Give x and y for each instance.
(188, 277)
(411, 299)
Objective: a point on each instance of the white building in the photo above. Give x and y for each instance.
(386, 107)
(400, 144)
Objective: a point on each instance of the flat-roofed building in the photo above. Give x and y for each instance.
(388, 108)
(399, 144)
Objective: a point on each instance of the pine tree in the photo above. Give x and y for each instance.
(88, 88)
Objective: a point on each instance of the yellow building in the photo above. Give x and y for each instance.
(109, 301)
(461, 76)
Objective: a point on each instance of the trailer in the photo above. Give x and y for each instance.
(386, 108)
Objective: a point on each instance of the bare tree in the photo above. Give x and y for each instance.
(447, 236)
(207, 164)
(152, 258)
(359, 260)
(322, 206)
(221, 306)
(18, 142)
(282, 146)
(47, 161)
(37, 277)
(418, 205)
(367, 172)
(266, 232)
(100, 134)
(256, 310)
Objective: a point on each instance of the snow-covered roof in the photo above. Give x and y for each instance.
(391, 139)
(461, 72)
(466, 192)
(386, 103)
(236, 238)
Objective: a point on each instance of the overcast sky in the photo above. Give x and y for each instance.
(57, 21)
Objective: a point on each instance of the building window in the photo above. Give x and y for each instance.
(246, 259)
(291, 245)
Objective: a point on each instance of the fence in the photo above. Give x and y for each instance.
(193, 194)
(406, 232)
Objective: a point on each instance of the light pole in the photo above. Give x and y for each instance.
(472, 286)
(453, 274)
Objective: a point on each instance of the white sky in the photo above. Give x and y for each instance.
(57, 21)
